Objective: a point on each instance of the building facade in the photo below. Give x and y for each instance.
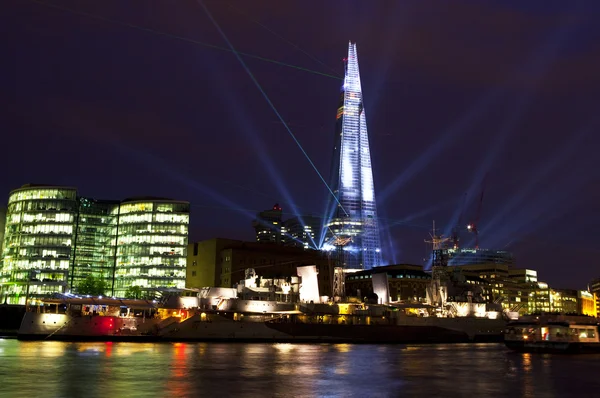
(95, 235)
(353, 214)
(53, 240)
(594, 288)
(151, 247)
(38, 242)
(407, 283)
(225, 262)
(586, 303)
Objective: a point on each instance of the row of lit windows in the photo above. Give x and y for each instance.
(136, 207)
(149, 207)
(46, 253)
(43, 205)
(156, 217)
(10, 265)
(35, 194)
(34, 289)
(41, 217)
(42, 241)
(156, 239)
(47, 229)
(152, 250)
(174, 262)
(153, 229)
(152, 272)
(151, 283)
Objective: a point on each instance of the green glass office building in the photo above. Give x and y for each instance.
(54, 239)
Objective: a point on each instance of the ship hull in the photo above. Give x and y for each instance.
(89, 338)
(385, 334)
(420, 332)
(415, 331)
(62, 327)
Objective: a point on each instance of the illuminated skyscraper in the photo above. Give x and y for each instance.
(354, 214)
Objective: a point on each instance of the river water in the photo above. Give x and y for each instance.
(59, 369)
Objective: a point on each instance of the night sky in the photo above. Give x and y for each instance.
(128, 98)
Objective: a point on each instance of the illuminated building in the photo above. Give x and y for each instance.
(586, 303)
(564, 301)
(268, 225)
(594, 288)
(511, 287)
(407, 283)
(94, 249)
(151, 244)
(223, 263)
(2, 227)
(203, 258)
(354, 214)
(38, 238)
(54, 239)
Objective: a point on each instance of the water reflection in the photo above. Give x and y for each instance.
(55, 369)
(178, 383)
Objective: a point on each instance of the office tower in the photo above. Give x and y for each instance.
(151, 243)
(353, 215)
(38, 238)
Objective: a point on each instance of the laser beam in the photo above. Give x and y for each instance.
(266, 97)
(182, 38)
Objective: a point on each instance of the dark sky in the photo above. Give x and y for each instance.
(124, 99)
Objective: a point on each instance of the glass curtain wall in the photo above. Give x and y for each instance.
(54, 240)
(94, 251)
(151, 245)
(37, 243)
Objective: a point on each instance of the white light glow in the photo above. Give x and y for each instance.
(355, 187)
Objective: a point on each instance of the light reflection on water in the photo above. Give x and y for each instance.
(58, 369)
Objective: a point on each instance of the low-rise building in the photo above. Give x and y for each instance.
(586, 303)
(407, 282)
(223, 263)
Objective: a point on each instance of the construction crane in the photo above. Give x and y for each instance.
(473, 226)
(337, 273)
(438, 248)
(340, 242)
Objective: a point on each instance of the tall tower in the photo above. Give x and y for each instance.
(353, 216)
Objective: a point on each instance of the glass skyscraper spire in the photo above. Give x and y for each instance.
(354, 214)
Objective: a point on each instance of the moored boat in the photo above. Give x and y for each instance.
(553, 334)
(70, 317)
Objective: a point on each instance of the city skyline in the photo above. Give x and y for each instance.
(118, 111)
